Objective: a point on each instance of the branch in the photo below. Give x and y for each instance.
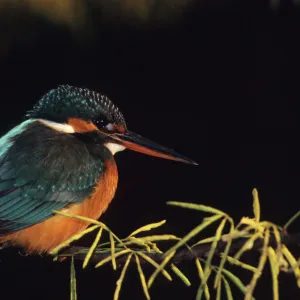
(199, 251)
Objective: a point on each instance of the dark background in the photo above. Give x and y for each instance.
(219, 83)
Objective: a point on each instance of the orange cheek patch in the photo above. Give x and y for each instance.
(81, 125)
(120, 128)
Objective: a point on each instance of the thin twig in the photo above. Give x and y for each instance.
(200, 251)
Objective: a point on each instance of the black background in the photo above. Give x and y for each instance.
(220, 85)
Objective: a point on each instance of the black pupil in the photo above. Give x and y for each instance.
(101, 123)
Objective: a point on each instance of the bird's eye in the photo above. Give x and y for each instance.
(101, 123)
(104, 124)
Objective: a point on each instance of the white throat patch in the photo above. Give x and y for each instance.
(58, 126)
(114, 148)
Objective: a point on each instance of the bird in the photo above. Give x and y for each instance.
(61, 158)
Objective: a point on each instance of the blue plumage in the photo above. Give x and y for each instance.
(42, 170)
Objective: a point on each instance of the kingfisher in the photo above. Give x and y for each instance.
(61, 158)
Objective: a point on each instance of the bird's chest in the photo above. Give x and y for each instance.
(44, 236)
(94, 205)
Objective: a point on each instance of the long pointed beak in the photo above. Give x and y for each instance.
(140, 144)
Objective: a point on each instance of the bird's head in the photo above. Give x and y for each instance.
(80, 111)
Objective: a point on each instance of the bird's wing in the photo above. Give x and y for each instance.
(42, 170)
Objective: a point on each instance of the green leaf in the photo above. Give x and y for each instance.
(277, 235)
(241, 264)
(206, 222)
(219, 290)
(201, 276)
(227, 289)
(262, 261)
(88, 220)
(203, 285)
(293, 263)
(112, 248)
(92, 248)
(160, 268)
(274, 271)
(136, 241)
(180, 275)
(142, 277)
(224, 257)
(291, 220)
(154, 238)
(204, 241)
(121, 279)
(247, 245)
(215, 243)
(236, 281)
(199, 207)
(256, 205)
(155, 264)
(148, 227)
(72, 239)
(73, 293)
(211, 253)
(109, 258)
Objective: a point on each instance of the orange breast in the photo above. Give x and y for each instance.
(43, 237)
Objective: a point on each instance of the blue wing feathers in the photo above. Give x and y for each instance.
(7, 171)
(20, 209)
(42, 170)
(9, 200)
(41, 211)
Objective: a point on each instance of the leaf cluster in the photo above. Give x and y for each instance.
(139, 250)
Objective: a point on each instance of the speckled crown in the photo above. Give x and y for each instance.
(67, 101)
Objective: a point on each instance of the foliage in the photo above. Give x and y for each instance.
(136, 249)
(75, 13)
